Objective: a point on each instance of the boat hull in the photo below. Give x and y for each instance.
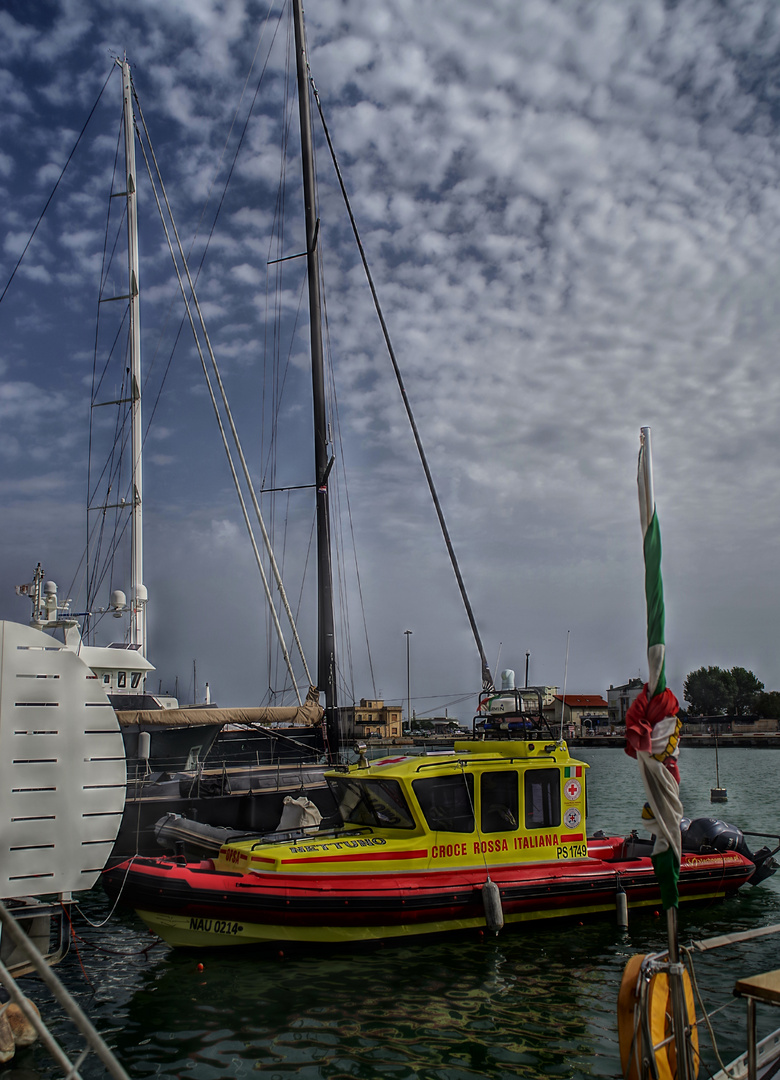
(192, 904)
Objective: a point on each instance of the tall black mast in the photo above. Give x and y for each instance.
(326, 636)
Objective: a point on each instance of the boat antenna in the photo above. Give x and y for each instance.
(487, 678)
(565, 674)
(326, 635)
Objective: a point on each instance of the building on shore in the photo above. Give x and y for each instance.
(579, 714)
(619, 698)
(371, 720)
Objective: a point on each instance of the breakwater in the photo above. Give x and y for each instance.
(756, 741)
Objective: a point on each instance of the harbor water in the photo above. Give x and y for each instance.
(532, 1002)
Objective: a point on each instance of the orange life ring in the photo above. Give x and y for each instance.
(659, 1023)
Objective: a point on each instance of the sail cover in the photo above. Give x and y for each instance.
(307, 715)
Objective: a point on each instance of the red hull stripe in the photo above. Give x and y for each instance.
(379, 856)
(573, 839)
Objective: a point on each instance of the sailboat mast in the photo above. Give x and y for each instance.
(137, 587)
(326, 649)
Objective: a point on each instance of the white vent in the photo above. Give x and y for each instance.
(62, 768)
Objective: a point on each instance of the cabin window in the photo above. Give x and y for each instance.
(447, 802)
(542, 798)
(121, 679)
(371, 802)
(106, 680)
(499, 804)
(135, 678)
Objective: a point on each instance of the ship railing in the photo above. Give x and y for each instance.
(37, 963)
(516, 713)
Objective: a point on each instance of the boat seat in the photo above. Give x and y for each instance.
(606, 848)
(764, 988)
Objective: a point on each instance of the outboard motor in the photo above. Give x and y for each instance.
(709, 834)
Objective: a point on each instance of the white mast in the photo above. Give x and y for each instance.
(137, 587)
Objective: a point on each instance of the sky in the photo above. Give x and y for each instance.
(571, 212)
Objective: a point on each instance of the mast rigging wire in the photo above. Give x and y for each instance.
(54, 189)
(234, 433)
(487, 678)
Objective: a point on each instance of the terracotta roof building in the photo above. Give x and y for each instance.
(582, 712)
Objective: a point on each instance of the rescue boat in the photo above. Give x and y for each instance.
(486, 834)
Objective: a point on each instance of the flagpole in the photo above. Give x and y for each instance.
(656, 685)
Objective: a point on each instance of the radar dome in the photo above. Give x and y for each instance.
(118, 599)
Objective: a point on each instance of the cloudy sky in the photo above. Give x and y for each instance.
(572, 215)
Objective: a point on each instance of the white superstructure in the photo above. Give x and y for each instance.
(62, 767)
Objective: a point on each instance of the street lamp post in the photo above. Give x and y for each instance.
(408, 684)
(527, 658)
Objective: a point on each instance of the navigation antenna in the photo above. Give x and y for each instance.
(565, 673)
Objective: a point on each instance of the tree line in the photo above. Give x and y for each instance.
(714, 691)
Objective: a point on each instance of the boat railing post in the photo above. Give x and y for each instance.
(751, 1039)
(677, 991)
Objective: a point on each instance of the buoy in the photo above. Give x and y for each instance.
(621, 907)
(491, 901)
(718, 794)
(144, 746)
(24, 1032)
(659, 1024)
(7, 1044)
(200, 967)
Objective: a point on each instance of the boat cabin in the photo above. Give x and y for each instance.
(509, 800)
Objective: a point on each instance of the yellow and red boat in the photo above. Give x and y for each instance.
(487, 834)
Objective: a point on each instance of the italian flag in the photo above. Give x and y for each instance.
(654, 586)
(652, 726)
(572, 770)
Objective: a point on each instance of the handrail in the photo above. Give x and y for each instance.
(484, 760)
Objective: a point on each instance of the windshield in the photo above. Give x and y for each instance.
(447, 802)
(371, 802)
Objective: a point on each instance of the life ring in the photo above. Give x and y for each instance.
(656, 1002)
